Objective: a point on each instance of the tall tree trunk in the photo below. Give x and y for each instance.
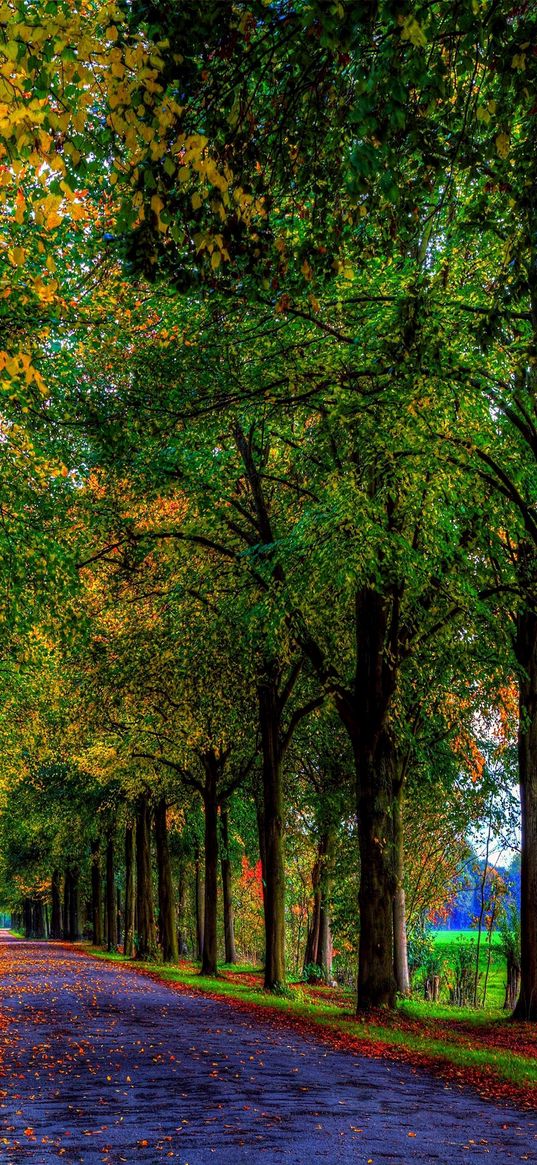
(128, 944)
(111, 929)
(260, 818)
(66, 903)
(119, 922)
(324, 949)
(210, 804)
(376, 983)
(274, 900)
(402, 974)
(74, 905)
(376, 636)
(56, 913)
(182, 941)
(144, 891)
(96, 895)
(225, 864)
(39, 919)
(200, 904)
(526, 653)
(311, 955)
(166, 908)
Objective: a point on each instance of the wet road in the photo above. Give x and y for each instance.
(100, 1065)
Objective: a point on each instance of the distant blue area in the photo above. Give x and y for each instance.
(467, 903)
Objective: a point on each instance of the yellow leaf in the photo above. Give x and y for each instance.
(502, 145)
(413, 32)
(196, 201)
(157, 204)
(215, 260)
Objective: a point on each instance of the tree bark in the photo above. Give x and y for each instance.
(118, 915)
(225, 864)
(182, 941)
(200, 905)
(166, 907)
(210, 804)
(111, 929)
(402, 974)
(56, 913)
(66, 903)
(128, 944)
(144, 891)
(274, 899)
(526, 653)
(512, 986)
(376, 636)
(39, 920)
(96, 895)
(311, 954)
(74, 905)
(324, 949)
(376, 983)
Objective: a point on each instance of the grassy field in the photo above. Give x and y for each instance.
(446, 943)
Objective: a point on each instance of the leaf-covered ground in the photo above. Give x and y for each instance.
(495, 1056)
(100, 1064)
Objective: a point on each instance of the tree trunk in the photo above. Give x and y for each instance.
(210, 804)
(366, 721)
(39, 920)
(200, 900)
(96, 895)
(402, 974)
(27, 917)
(144, 891)
(512, 986)
(225, 863)
(376, 983)
(182, 941)
(74, 905)
(274, 900)
(118, 916)
(128, 944)
(111, 930)
(311, 954)
(66, 903)
(324, 949)
(526, 653)
(260, 818)
(166, 908)
(56, 914)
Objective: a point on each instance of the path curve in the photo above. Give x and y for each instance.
(100, 1065)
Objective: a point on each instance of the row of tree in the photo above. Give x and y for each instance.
(270, 426)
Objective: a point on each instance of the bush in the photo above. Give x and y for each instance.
(462, 991)
(313, 973)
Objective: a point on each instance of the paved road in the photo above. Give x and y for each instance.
(100, 1065)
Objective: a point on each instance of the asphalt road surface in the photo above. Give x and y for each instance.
(100, 1065)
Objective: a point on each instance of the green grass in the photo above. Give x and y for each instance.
(446, 942)
(460, 1038)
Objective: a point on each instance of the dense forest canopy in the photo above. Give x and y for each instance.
(268, 550)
